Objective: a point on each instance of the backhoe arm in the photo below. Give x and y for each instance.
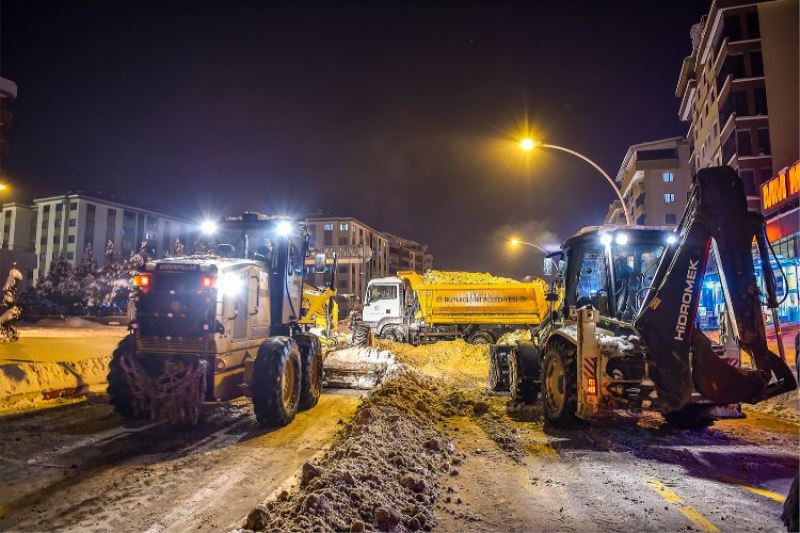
(681, 355)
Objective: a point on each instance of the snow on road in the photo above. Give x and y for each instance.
(82, 467)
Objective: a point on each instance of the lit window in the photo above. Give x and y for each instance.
(344, 227)
(668, 177)
(669, 197)
(328, 227)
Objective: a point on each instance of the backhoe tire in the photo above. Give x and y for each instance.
(559, 384)
(311, 362)
(119, 392)
(791, 507)
(497, 380)
(276, 382)
(393, 334)
(360, 335)
(690, 417)
(480, 337)
(524, 374)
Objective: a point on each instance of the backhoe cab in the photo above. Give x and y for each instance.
(624, 337)
(224, 324)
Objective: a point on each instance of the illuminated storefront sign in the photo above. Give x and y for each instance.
(782, 188)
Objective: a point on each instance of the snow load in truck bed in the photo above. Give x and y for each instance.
(443, 277)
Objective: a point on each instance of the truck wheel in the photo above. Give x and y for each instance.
(393, 334)
(480, 337)
(559, 384)
(276, 382)
(360, 335)
(311, 363)
(119, 392)
(690, 417)
(524, 373)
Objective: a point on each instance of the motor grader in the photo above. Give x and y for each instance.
(624, 335)
(220, 325)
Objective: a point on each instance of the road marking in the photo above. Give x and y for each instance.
(758, 490)
(685, 509)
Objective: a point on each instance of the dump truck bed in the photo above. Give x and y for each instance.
(507, 303)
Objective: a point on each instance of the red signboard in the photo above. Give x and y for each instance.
(781, 189)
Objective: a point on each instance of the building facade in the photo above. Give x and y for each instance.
(405, 254)
(363, 253)
(8, 92)
(738, 89)
(655, 180)
(65, 226)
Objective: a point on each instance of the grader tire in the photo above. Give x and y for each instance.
(691, 417)
(276, 382)
(360, 335)
(311, 362)
(119, 392)
(495, 381)
(524, 374)
(559, 384)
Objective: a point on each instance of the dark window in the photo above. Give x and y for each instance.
(47, 208)
(764, 147)
(343, 269)
(73, 206)
(72, 222)
(343, 240)
(736, 66)
(756, 64)
(56, 239)
(765, 174)
(753, 31)
(661, 153)
(669, 218)
(70, 256)
(760, 100)
(745, 145)
(641, 220)
(747, 176)
(59, 207)
(71, 238)
(328, 239)
(640, 200)
(732, 28)
(43, 240)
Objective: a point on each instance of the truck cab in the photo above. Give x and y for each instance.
(383, 303)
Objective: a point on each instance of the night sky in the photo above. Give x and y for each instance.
(401, 114)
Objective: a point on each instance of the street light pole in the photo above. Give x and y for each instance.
(530, 144)
(517, 241)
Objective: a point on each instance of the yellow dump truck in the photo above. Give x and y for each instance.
(479, 308)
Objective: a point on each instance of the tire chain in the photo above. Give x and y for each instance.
(167, 395)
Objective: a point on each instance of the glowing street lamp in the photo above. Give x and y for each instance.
(3, 186)
(208, 227)
(516, 242)
(527, 144)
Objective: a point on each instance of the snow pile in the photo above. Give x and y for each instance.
(25, 385)
(381, 472)
(515, 337)
(443, 277)
(786, 407)
(436, 353)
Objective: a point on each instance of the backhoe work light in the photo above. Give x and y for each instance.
(208, 282)
(621, 239)
(672, 239)
(142, 281)
(208, 227)
(284, 228)
(605, 239)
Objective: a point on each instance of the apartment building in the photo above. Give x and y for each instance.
(8, 92)
(405, 254)
(362, 251)
(655, 180)
(66, 225)
(738, 89)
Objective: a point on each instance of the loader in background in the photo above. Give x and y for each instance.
(625, 337)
